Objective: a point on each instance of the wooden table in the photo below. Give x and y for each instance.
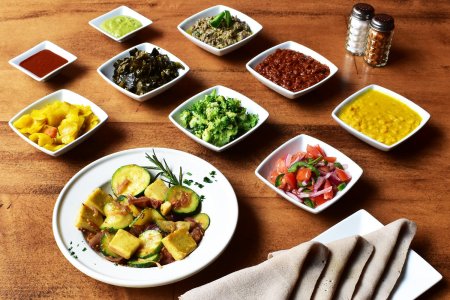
(410, 181)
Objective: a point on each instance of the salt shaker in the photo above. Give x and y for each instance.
(358, 27)
(379, 40)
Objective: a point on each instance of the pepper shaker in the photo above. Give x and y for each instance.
(379, 40)
(358, 27)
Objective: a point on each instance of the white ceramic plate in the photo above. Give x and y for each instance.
(65, 96)
(255, 27)
(120, 11)
(296, 47)
(299, 143)
(45, 45)
(220, 204)
(422, 113)
(418, 275)
(251, 106)
(106, 71)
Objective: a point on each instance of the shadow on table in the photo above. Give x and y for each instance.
(73, 71)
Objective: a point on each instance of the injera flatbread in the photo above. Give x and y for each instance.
(340, 252)
(275, 278)
(385, 241)
(353, 269)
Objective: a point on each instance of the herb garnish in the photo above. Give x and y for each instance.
(164, 170)
(207, 180)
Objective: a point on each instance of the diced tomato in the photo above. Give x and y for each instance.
(281, 166)
(297, 155)
(273, 176)
(289, 182)
(319, 200)
(312, 152)
(329, 195)
(322, 153)
(342, 175)
(303, 174)
(330, 159)
(324, 169)
(50, 131)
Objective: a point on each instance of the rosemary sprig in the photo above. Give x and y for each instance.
(164, 170)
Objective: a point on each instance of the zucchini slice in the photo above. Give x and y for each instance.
(104, 245)
(203, 220)
(113, 223)
(151, 243)
(166, 226)
(130, 180)
(144, 262)
(185, 202)
(146, 216)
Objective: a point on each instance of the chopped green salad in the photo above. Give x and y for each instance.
(218, 119)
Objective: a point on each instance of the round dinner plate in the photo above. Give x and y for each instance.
(219, 203)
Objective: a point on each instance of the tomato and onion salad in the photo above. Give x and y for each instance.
(310, 177)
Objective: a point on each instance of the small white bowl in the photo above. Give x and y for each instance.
(299, 143)
(120, 11)
(65, 96)
(422, 113)
(296, 47)
(251, 107)
(255, 27)
(45, 45)
(106, 71)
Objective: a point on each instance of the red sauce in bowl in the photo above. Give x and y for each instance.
(43, 62)
(292, 70)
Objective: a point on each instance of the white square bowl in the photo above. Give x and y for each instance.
(419, 110)
(106, 71)
(299, 143)
(120, 11)
(295, 47)
(45, 45)
(255, 27)
(251, 107)
(65, 96)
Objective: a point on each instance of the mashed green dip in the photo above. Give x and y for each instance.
(120, 25)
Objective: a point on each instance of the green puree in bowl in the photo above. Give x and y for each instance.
(120, 25)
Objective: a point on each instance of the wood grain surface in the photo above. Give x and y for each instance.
(410, 181)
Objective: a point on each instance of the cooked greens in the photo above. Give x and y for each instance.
(218, 119)
(142, 72)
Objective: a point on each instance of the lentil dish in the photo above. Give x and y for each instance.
(292, 70)
(380, 117)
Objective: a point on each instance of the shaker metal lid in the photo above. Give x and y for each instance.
(382, 22)
(363, 11)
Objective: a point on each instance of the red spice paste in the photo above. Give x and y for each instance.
(43, 62)
(292, 70)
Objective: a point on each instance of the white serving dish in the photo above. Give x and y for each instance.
(299, 143)
(255, 27)
(120, 11)
(250, 105)
(45, 45)
(422, 113)
(106, 71)
(220, 203)
(296, 47)
(65, 96)
(418, 275)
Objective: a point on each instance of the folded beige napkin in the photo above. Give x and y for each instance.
(355, 267)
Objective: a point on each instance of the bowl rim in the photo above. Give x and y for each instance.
(213, 49)
(117, 10)
(44, 45)
(301, 137)
(425, 116)
(101, 114)
(291, 45)
(143, 46)
(263, 115)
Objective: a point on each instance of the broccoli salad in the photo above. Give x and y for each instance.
(217, 119)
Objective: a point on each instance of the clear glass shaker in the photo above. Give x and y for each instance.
(358, 27)
(379, 40)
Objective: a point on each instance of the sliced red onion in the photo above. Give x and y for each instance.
(319, 183)
(328, 175)
(304, 195)
(294, 196)
(334, 179)
(288, 160)
(331, 166)
(320, 164)
(315, 194)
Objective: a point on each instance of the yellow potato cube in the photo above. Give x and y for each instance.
(179, 244)
(124, 244)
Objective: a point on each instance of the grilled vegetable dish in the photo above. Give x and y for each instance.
(220, 31)
(310, 177)
(148, 221)
(142, 72)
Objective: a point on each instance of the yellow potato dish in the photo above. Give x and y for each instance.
(57, 124)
